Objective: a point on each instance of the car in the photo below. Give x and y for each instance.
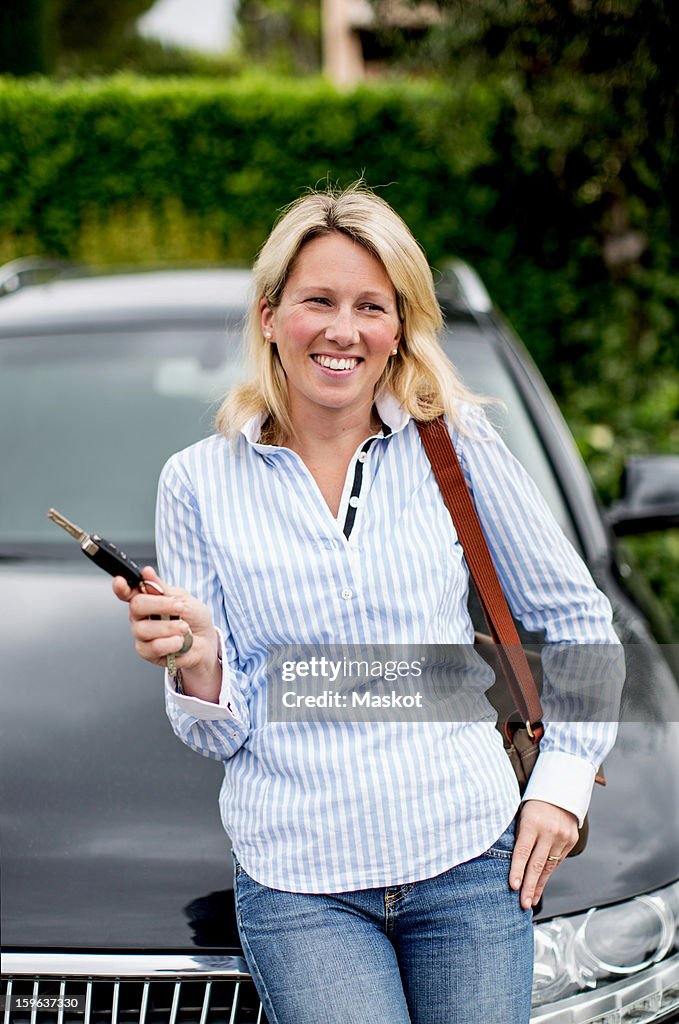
(117, 888)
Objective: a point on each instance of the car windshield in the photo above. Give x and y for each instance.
(88, 419)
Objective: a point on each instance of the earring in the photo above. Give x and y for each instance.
(394, 351)
(267, 335)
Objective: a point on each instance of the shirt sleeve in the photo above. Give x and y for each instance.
(216, 730)
(551, 592)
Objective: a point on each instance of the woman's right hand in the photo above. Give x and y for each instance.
(154, 639)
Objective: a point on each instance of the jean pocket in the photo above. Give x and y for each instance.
(503, 847)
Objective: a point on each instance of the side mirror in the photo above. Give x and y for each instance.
(650, 496)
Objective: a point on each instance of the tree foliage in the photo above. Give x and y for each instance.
(283, 34)
(39, 36)
(594, 91)
(87, 25)
(25, 37)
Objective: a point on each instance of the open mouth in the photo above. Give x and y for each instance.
(343, 363)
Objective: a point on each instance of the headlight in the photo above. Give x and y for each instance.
(575, 954)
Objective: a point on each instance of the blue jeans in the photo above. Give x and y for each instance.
(453, 949)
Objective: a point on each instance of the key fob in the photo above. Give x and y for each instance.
(113, 561)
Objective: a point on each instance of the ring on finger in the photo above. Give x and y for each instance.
(554, 860)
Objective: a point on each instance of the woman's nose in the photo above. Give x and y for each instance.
(342, 329)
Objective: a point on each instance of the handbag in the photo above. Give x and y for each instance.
(521, 723)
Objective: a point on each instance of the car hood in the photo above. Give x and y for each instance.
(111, 836)
(110, 827)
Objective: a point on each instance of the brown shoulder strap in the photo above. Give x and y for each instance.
(448, 473)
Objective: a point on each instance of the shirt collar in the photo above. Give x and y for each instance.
(390, 410)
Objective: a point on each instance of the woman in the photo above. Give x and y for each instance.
(378, 874)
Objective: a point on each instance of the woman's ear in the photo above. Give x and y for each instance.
(266, 318)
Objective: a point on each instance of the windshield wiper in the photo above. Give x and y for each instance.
(24, 551)
(58, 551)
(17, 553)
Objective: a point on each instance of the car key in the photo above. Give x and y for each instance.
(104, 554)
(115, 562)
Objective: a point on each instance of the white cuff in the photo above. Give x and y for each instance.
(562, 779)
(205, 709)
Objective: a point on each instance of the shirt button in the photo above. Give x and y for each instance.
(363, 456)
(354, 502)
(347, 593)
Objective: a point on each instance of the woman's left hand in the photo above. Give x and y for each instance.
(545, 835)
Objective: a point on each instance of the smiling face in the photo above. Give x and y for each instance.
(335, 328)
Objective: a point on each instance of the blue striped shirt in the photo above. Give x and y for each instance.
(333, 806)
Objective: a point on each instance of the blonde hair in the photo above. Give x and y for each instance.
(420, 375)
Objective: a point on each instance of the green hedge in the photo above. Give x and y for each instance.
(232, 154)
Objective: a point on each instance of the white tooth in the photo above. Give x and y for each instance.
(336, 364)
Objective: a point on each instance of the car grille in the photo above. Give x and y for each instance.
(105, 989)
